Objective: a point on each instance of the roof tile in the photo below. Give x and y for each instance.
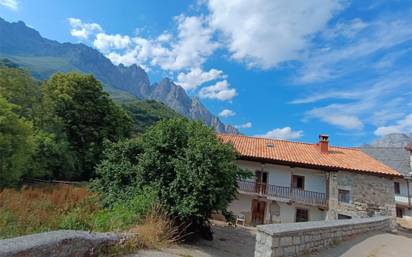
(304, 154)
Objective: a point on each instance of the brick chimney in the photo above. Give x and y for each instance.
(324, 143)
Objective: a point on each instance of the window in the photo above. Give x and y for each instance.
(397, 188)
(344, 196)
(302, 215)
(261, 180)
(344, 217)
(399, 212)
(298, 182)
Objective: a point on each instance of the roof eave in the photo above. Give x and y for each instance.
(315, 167)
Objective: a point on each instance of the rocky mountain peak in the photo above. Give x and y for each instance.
(393, 140)
(48, 56)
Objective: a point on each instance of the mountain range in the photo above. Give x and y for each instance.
(43, 57)
(397, 140)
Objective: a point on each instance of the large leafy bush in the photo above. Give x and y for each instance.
(190, 169)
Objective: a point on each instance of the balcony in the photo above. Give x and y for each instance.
(285, 194)
(402, 200)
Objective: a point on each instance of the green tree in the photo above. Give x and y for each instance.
(191, 170)
(117, 173)
(16, 144)
(18, 87)
(146, 113)
(77, 105)
(194, 171)
(53, 158)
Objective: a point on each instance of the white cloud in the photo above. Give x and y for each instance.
(344, 121)
(197, 77)
(374, 102)
(285, 133)
(190, 48)
(339, 56)
(126, 59)
(347, 29)
(402, 126)
(221, 91)
(245, 125)
(194, 44)
(105, 42)
(264, 33)
(227, 113)
(82, 30)
(11, 4)
(336, 115)
(185, 52)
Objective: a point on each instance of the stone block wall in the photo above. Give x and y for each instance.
(62, 243)
(296, 239)
(370, 195)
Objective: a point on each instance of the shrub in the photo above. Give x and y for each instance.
(117, 173)
(124, 214)
(190, 169)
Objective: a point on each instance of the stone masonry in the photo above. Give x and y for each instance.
(296, 239)
(62, 243)
(370, 195)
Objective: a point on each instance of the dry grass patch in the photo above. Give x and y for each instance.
(33, 209)
(156, 230)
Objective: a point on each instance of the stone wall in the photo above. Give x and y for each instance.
(370, 195)
(62, 243)
(297, 239)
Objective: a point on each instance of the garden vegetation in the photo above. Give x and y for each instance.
(170, 177)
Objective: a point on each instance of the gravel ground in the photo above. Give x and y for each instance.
(377, 245)
(227, 242)
(240, 242)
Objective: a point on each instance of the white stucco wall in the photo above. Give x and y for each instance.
(243, 205)
(403, 187)
(288, 213)
(282, 175)
(407, 214)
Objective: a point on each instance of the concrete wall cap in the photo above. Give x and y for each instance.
(282, 229)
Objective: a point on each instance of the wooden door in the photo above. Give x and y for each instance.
(258, 212)
(261, 181)
(298, 182)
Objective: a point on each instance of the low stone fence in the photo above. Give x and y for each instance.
(62, 243)
(295, 239)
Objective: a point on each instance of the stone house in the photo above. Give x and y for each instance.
(400, 159)
(296, 182)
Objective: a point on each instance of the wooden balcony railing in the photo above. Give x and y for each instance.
(286, 193)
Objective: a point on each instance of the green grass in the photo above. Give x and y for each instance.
(39, 209)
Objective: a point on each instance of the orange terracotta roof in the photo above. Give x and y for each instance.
(306, 155)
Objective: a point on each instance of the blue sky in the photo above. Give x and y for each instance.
(281, 69)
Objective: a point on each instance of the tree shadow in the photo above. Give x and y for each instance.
(227, 242)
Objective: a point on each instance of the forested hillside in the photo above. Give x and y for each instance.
(57, 128)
